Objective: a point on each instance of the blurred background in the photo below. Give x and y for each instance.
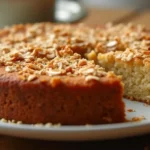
(70, 11)
(118, 3)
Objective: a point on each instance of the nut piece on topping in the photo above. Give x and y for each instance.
(31, 77)
(10, 69)
(111, 44)
(91, 78)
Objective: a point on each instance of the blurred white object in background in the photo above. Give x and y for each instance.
(118, 3)
(69, 10)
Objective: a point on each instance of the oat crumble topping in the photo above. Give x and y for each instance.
(43, 48)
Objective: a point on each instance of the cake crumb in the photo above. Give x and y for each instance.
(48, 125)
(57, 125)
(88, 125)
(3, 120)
(19, 122)
(38, 125)
(138, 118)
(131, 110)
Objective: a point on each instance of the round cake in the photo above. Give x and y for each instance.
(45, 76)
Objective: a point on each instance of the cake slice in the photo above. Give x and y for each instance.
(126, 51)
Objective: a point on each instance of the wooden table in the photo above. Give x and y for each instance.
(102, 16)
(133, 143)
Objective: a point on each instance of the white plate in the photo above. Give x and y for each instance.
(95, 132)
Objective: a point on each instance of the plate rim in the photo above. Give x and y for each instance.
(76, 133)
(77, 127)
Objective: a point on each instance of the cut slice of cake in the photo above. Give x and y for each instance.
(126, 51)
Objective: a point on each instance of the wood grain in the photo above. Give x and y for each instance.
(103, 16)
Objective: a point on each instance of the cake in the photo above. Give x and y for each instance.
(44, 77)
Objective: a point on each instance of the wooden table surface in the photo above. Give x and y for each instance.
(99, 16)
(134, 143)
(102, 16)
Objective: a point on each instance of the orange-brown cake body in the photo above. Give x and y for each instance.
(43, 79)
(66, 100)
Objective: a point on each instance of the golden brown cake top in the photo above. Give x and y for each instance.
(65, 63)
(37, 48)
(43, 53)
(47, 36)
(126, 41)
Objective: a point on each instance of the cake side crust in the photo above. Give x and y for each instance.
(65, 100)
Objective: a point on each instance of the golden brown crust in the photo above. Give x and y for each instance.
(129, 43)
